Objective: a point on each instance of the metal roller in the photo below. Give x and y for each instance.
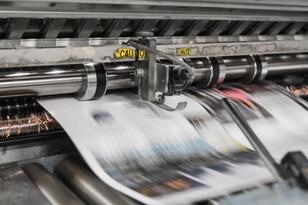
(52, 188)
(246, 68)
(79, 178)
(91, 80)
(120, 75)
(87, 81)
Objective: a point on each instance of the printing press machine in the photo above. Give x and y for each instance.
(85, 48)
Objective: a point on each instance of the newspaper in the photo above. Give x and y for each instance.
(161, 157)
(278, 120)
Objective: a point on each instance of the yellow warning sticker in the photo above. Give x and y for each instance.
(128, 53)
(183, 51)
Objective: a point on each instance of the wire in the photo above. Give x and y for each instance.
(189, 74)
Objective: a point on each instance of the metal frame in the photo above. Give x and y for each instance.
(202, 9)
(21, 52)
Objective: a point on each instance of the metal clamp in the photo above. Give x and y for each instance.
(153, 84)
(189, 71)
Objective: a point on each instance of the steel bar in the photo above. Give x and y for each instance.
(16, 188)
(252, 138)
(42, 80)
(79, 178)
(72, 78)
(161, 10)
(52, 188)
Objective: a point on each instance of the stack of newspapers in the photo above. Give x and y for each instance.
(161, 157)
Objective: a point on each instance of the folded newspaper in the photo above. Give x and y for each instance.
(161, 157)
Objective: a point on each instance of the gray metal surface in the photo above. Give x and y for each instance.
(79, 178)
(72, 78)
(280, 193)
(36, 150)
(38, 80)
(90, 84)
(52, 188)
(83, 19)
(21, 53)
(152, 9)
(78, 79)
(270, 4)
(16, 188)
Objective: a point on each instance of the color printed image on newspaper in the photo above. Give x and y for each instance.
(161, 157)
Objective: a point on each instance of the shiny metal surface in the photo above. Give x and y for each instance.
(137, 9)
(41, 80)
(236, 67)
(89, 84)
(264, 67)
(120, 75)
(282, 67)
(35, 150)
(17, 188)
(79, 178)
(222, 70)
(77, 79)
(81, 79)
(203, 70)
(52, 188)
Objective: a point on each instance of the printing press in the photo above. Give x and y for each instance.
(156, 49)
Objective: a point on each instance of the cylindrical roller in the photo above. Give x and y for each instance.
(42, 80)
(279, 66)
(79, 178)
(236, 67)
(120, 75)
(88, 80)
(52, 188)
(95, 84)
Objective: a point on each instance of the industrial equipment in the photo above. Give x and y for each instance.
(156, 48)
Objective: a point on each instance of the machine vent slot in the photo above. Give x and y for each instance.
(23, 28)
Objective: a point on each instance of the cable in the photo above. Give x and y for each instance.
(189, 71)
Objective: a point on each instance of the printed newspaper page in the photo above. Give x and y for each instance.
(156, 156)
(279, 121)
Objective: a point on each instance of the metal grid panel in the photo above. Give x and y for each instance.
(17, 28)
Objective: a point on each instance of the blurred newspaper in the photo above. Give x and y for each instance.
(161, 157)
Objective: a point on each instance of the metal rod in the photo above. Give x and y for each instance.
(120, 75)
(74, 78)
(42, 80)
(236, 68)
(283, 66)
(252, 138)
(50, 186)
(78, 177)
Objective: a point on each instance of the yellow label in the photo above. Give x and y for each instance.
(128, 53)
(183, 51)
